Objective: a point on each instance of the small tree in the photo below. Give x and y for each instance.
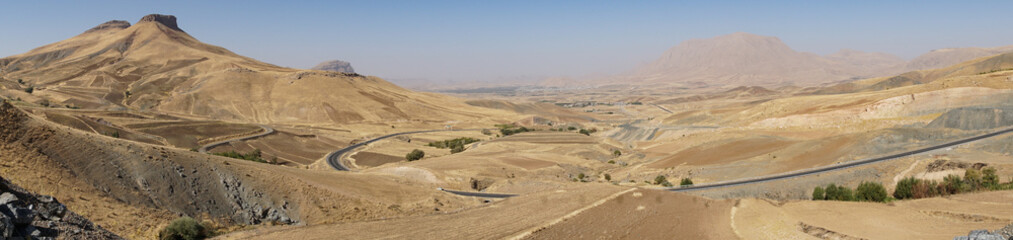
(952, 184)
(184, 228)
(415, 155)
(457, 149)
(686, 182)
(830, 192)
(871, 192)
(818, 193)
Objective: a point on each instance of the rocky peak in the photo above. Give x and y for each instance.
(114, 24)
(167, 20)
(335, 66)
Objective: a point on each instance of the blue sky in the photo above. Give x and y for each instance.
(509, 40)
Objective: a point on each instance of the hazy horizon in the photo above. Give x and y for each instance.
(517, 41)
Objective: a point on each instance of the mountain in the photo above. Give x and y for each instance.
(748, 59)
(335, 66)
(941, 58)
(155, 65)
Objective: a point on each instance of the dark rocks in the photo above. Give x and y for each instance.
(167, 20)
(335, 66)
(24, 215)
(51, 209)
(980, 235)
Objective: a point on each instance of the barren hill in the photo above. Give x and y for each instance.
(154, 64)
(941, 58)
(747, 59)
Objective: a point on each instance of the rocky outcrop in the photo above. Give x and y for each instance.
(335, 66)
(167, 20)
(114, 24)
(981, 235)
(24, 215)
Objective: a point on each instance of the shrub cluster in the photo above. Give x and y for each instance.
(456, 145)
(509, 129)
(252, 156)
(588, 132)
(184, 228)
(661, 180)
(686, 182)
(973, 180)
(415, 155)
(866, 192)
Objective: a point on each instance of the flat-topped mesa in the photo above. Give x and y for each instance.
(114, 24)
(167, 20)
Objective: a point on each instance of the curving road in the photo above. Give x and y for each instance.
(334, 159)
(837, 166)
(267, 130)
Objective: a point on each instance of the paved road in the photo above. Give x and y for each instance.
(480, 194)
(837, 166)
(662, 108)
(334, 159)
(206, 147)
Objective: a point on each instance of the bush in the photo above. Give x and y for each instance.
(990, 179)
(616, 153)
(255, 156)
(660, 179)
(952, 184)
(571, 128)
(608, 177)
(686, 182)
(585, 132)
(454, 143)
(818, 194)
(415, 155)
(29, 90)
(870, 192)
(905, 188)
(972, 180)
(457, 149)
(184, 228)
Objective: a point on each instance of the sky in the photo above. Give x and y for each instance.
(494, 41)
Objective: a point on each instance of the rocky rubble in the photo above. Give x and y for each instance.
(1005, 233)
(24, 215)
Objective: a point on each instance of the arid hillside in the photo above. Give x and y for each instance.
(133, 189)
(154, 65)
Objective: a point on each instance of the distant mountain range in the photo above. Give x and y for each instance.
(749, 59)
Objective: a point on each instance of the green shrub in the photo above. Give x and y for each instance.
(990, 179)
(905, 188)
(571, 128)
(184, 228)
(617, 153)
(818, 193)
(29, 90)
(255, 155)
(457, 149)
(952, 184)
(686, 182)
(454, 143)
(415, 155)
(660, 179)
(870, 192)
(608, 177)
(972, 180)
(585, 132)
